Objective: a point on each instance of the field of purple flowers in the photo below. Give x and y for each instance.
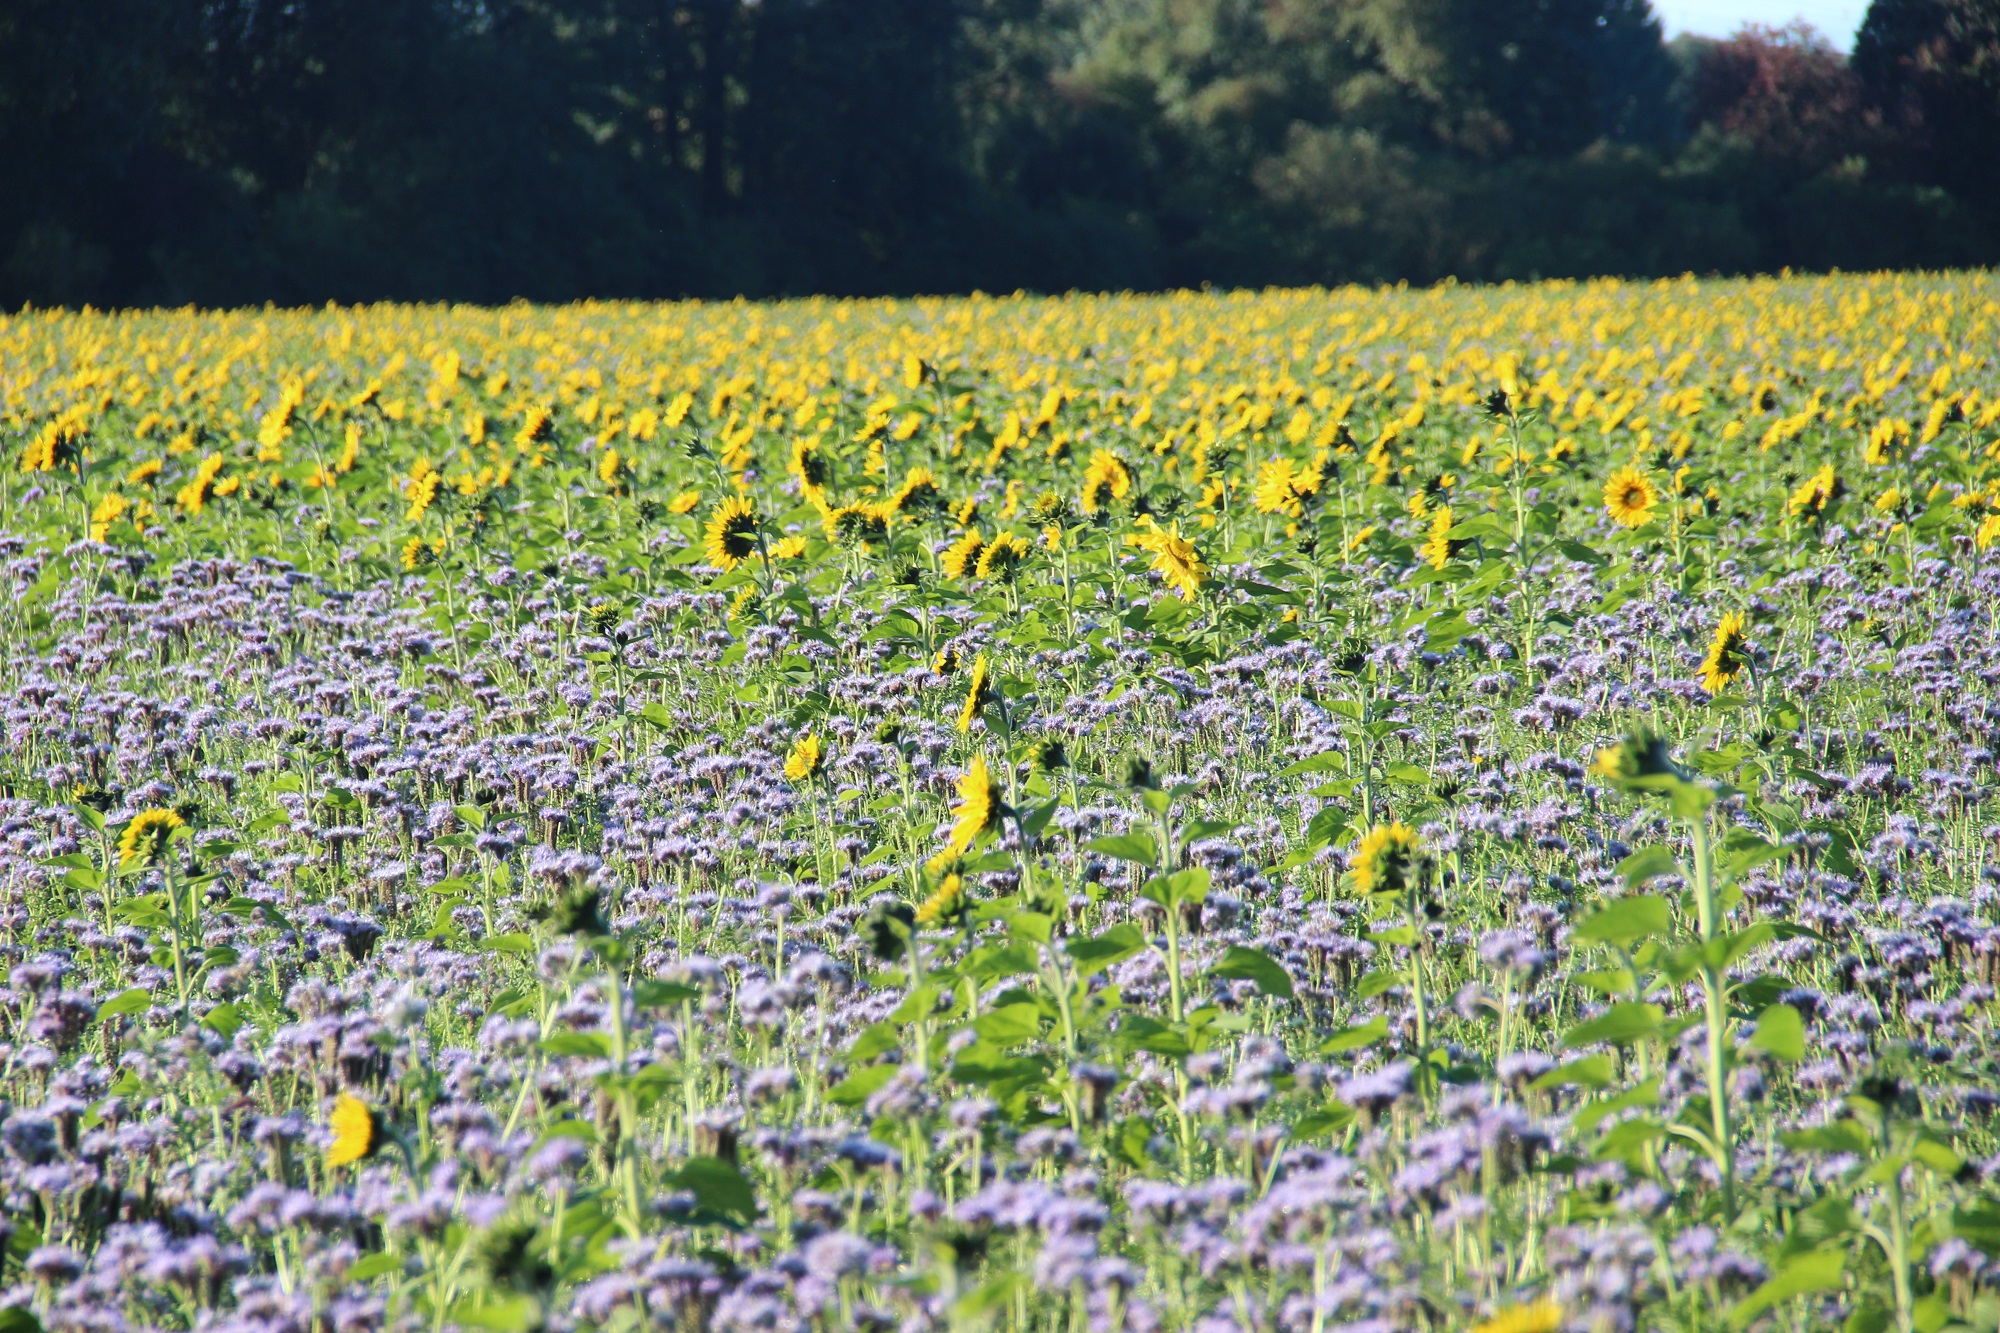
(1300, 812)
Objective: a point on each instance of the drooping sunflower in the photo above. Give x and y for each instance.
(732, 533)
(805, 760)
(357, 1131)
(978, 809)
(1386, 859)
(1629, 497)
(1175, 559)
(962, 556)
(145, 838)
(977, 694)
(1728, 654)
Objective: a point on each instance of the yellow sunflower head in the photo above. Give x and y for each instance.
(1439, 548)
(1002, 557)
(1642, 754)
(1104, 480)
(1629, 497)
(1728, 654)
(979, 806)
(1175, 559)
(1812, 500)
(732, 533)
(978, 693)
(810, 466)
(357, 1131)
(918, 496)
(145, 838)
(805, 760)
(1543, 1316)
(961, 558)
(1389, 859)
(948, 904)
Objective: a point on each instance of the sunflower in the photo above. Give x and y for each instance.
(108, 511)
(1439, 548)
(947, 904)
(684, 503)
(1053, 509)
(1728, 654)
(962, 556)
(1988, 531)
(1629, 497)
(1174, 558)
(919, 494)
(789, 548)
(357, 1131)
(978, 808)
(145, 838)
(854, 527)
(537, 425)
(805, 760)
(732, 533)
(1543, 1316)
(1641, 754)
(947, 660)
(1002, 556)
(609, 467)
(810, 466)
(1276, 491)
(1386, 858)
(1812, 500)
(1106, 479)
(977, 695)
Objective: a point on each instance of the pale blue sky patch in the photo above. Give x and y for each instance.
(1836, 19)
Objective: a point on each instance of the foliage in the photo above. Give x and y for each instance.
(227, 152)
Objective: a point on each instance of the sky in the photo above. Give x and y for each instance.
(1836, 19)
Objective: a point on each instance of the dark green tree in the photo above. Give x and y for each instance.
(1933, 67)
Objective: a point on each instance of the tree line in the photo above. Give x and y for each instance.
(241, 151)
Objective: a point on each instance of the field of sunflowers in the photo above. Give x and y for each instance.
(1295, 811)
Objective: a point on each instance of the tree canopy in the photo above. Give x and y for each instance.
(233, 151)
